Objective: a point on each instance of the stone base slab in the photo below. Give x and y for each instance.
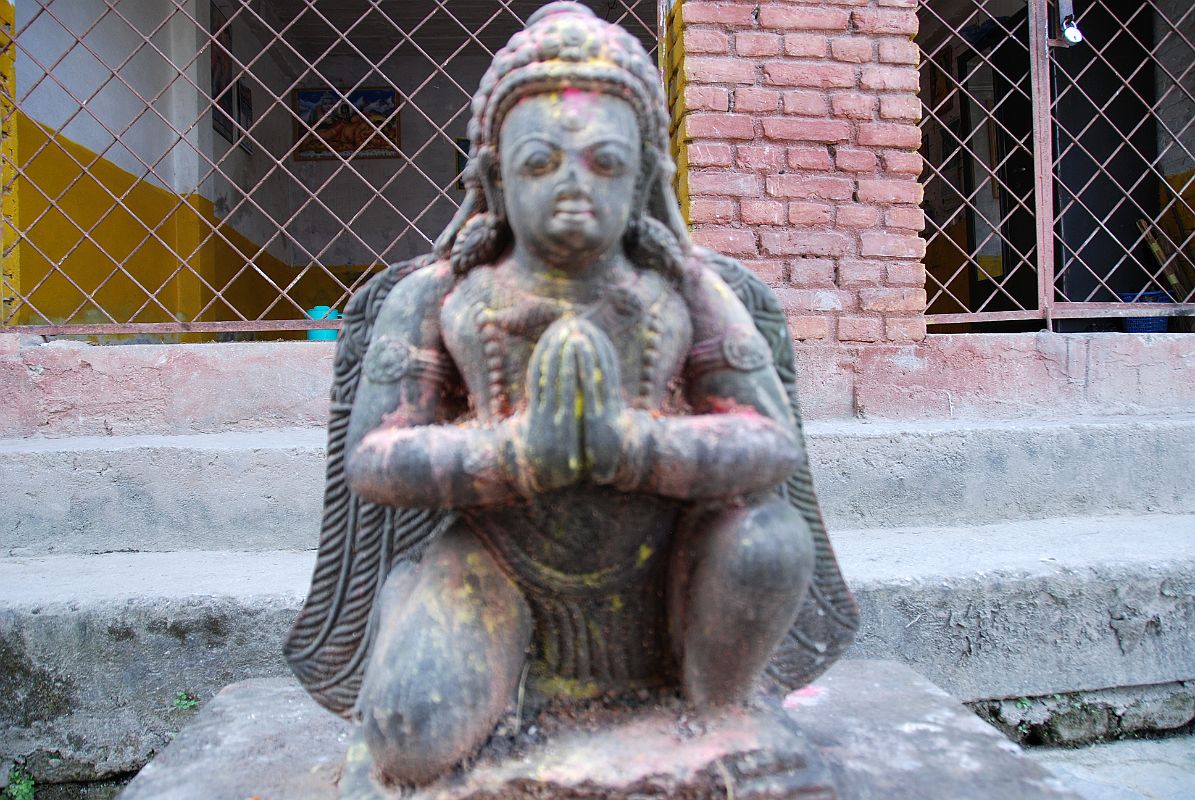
(874, 729)
(653, 752)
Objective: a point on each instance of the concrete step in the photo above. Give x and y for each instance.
(93, 648)
(971, 473)
(263, 490)
(1031, 607)
(242, 491)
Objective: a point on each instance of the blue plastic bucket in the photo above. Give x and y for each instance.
(1145, 324)
(322, 312)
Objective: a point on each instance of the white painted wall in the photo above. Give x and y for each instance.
(131, 83)
(123, 75)
(330, 212)
(985, 201)
(382, 195)
(393, 208)
(228, 172)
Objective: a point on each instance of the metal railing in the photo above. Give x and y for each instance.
(225, 167)
(1059, 167)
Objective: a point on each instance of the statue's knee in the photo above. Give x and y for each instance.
(772, 552)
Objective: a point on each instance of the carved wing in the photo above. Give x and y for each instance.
(359, 542)
(829, 618)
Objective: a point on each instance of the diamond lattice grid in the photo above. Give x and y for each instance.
(224, 166)
(976, 141)
(1124, 106)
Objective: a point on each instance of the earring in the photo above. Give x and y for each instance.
(649, 243)
(480, 241)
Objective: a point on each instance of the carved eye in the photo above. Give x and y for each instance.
(539, 160)
(607, 160)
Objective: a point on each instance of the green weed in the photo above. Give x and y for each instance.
(185, 700)
(20, 786)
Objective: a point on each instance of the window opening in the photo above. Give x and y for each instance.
(1111, 123)
(218, 168)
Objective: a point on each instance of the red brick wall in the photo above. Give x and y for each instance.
(801, 123)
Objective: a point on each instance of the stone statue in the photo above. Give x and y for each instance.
(565, 453)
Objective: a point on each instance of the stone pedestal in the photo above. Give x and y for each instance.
(864, 730)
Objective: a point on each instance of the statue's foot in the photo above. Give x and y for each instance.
(358, 780)
(657, 749)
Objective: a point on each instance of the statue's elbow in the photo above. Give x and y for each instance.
(363, 472)
(355, 472)
(393, 468)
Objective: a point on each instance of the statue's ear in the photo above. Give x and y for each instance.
(489, 174)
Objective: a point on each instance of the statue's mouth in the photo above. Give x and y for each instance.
(573, 209)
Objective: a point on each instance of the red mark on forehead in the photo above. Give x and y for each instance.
(578, 108)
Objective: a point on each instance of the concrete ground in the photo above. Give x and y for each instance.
(1161, 769)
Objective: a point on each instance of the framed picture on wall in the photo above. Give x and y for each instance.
(360, 124)
(223, 96)
(245, 115)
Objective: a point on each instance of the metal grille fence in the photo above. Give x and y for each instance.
(226, 166)
(1060, 175)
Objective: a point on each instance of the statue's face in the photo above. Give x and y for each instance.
(569, 163)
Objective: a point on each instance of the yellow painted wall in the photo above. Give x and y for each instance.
(10, 274)
(1177, 195)
(84, 219)
(91, 227)
(672, 59)
(944, 259)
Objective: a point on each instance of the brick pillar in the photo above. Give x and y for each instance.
(801, 128)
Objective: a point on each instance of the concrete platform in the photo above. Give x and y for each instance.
(883, 731)
(263, 490)
(93, 649)
(67, 388)
(1029, 608)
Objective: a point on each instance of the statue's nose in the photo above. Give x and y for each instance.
(571, 185)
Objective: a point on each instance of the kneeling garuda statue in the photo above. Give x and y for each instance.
(565, 451)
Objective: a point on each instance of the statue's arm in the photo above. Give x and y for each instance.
(398, 454)
(741, 437)
(433, 466)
